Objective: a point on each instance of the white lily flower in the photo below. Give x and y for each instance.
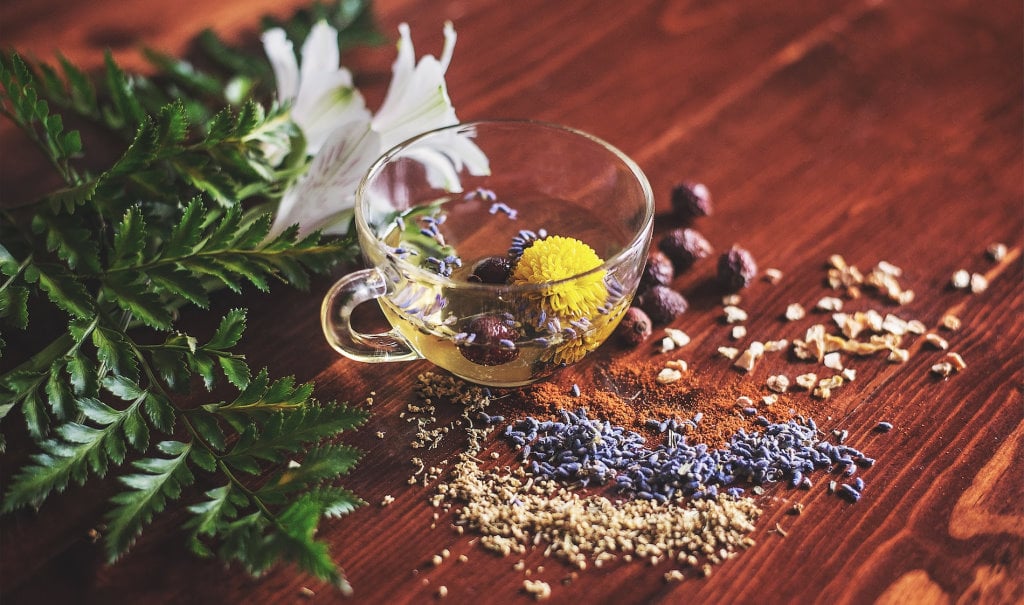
(321, 93)
(416, 102)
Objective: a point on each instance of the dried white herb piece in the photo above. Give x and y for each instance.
(961, 279)
(668, 376)
(996, 251)
(978, 283)
(795, 311)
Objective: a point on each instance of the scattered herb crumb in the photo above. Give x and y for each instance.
(996, 251)
(538, 589)
(674, 576)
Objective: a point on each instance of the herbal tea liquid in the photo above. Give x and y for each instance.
(501, 336)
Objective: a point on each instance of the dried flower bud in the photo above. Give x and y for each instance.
(634, 328)
(691, 200)
(662, 304)
(684, 247)
(657, 271)
(736, 268)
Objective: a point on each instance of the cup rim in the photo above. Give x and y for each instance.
(422, 274)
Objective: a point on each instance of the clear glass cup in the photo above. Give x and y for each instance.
(562, 216)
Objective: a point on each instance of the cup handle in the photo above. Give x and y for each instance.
(336, 319)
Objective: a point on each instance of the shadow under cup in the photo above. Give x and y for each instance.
(498, 250)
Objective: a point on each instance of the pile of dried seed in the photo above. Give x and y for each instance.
(474, 400)
(474, 422)
(515, 512)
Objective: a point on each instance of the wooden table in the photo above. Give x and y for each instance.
(878, 130)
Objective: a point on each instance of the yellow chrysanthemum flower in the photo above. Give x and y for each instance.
(575, 349)
(557, 258)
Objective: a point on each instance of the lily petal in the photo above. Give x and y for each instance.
(440, 171)
(417, 99)
(325, 103)
(445, 157)
(282, 60)
(320, 53)
(325, 194)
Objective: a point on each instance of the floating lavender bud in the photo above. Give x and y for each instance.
(503, 208)
(481, 194)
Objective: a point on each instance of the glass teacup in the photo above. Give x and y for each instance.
(498, 250)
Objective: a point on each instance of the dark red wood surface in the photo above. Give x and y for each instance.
(879, 130)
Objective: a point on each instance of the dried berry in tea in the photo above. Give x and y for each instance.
(489, 341)
(492, 270)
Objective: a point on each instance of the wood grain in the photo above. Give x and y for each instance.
(878, 129)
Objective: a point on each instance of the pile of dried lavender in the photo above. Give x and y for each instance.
(579, 450)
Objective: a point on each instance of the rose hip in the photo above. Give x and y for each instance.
(634, 328)
(691, 200)
(657, 271)
(736, 268)
(684, 247)
(662, 304)
(492, 270)
(489, 341)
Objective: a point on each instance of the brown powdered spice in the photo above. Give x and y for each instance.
(631, 395)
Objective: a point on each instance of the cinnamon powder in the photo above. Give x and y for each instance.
(626, 394)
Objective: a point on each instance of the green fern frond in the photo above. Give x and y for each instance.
(161, 479)
(120, 249)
